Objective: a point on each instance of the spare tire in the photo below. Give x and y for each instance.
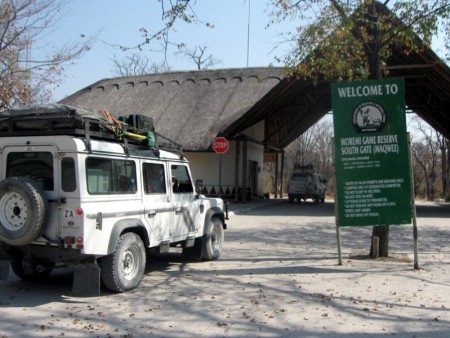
(23, 211)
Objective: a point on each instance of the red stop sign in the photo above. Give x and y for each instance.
(220, 145)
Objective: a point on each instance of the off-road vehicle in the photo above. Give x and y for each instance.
(87, 190)
(304, 184)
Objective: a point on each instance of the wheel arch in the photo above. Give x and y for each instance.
(214, 212)
(128, 225)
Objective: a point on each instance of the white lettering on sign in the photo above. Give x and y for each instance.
(220, 145)
(369, 90)
(381, 144)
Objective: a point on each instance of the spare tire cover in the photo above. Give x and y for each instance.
(23, 211)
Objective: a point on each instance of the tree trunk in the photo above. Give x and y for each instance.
(382, 232)
(372, 50)
(444, 168)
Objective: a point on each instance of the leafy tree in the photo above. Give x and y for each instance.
(24, 76)
(353, 39)
(347, 40)
(342, 39)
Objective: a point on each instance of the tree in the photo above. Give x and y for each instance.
(349, 40)
(23, 77)
(430, 153)
(353, 39)
(136, 64)
(312, 147)
(343, 39)
(172, 11)
(198, 56)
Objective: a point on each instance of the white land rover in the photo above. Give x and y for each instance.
(91, 192)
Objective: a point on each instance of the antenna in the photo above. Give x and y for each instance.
(248, 32)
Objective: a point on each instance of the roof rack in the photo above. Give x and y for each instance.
(58, 119)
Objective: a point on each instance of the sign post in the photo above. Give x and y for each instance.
(371, 153)
(220, 145)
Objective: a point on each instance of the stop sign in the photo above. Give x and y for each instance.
(220, 145)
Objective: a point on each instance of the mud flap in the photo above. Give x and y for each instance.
(194, 252)
(4, 269)
(86, 279)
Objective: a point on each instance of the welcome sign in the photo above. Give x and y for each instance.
(371, 153)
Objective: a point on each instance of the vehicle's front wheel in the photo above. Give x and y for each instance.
(123, 270)
(213, 240)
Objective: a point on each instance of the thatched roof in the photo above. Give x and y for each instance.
(191, 108)
(194, 107)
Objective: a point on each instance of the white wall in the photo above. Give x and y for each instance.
(205, 166)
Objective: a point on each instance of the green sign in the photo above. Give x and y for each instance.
(371, 153)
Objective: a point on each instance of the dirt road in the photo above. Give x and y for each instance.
(278, 277)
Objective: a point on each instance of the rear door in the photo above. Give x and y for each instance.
(39, 164)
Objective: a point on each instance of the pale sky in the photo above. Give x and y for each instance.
(118, 22)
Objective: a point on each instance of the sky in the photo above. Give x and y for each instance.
(117, 22)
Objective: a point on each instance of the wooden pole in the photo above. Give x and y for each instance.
(236, 172)
(413, 208)
(338, 230)
(276, 175)
(244, 171)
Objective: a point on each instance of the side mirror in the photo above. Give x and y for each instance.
(198, 186)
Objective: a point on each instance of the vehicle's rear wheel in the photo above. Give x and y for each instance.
(124, 268)
(23, 211)
(213, 240)
(32, 269)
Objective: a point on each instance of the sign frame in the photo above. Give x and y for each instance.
(372, 160)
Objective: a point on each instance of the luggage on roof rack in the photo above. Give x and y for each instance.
(138, 121)
(59, 119)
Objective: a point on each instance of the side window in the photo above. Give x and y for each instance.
(154, 178)
(108, 176)
(37, 166)
(68, 176)
(181, 181)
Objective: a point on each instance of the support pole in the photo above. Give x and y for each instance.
(338, 230)
(276, 175)
(413, 208)
(236, 172)
(220, 175)
(244, 171)
(281, 176)
(339, 243)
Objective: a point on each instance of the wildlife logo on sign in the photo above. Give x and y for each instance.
(369, 116)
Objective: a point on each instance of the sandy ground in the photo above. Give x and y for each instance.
(278, 277)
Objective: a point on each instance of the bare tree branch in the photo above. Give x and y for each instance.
(199, 57)
(24, 79)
